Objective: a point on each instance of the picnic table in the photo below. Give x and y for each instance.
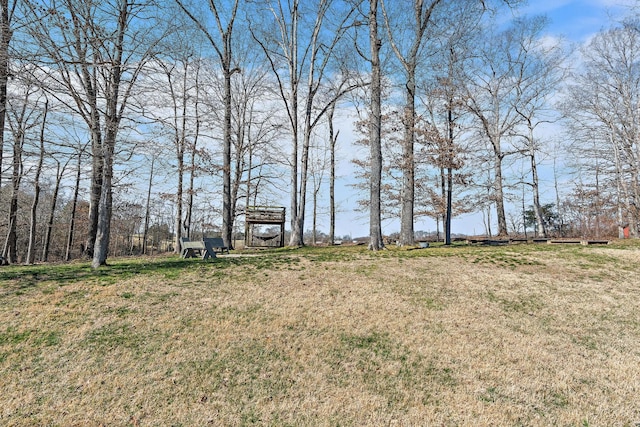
(205, 248)
(196, 248)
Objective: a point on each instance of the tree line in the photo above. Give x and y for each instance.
(129, 125)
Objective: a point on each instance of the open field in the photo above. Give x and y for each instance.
(531, 335)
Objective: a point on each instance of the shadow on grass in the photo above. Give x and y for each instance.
(22, 277)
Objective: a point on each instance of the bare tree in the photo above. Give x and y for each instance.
(60, 168)
(93, 53)
(494, 93)
(409, 58)
(310, 64)
(81, 149)
(318, 165)
(256, 127)
(443, 102)
(539, 73)
(603, 105)
(31, 250)
(221, 40)
(285, 49)
(412, 41)
(174, 109)
(147, 208)
(22, 119)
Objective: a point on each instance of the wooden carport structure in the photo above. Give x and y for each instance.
(256, 216)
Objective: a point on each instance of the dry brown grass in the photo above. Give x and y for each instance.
(525, 335)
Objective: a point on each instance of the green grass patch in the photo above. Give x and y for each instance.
(389, 368)
(11, 336)
(521, 304)
(108, 337)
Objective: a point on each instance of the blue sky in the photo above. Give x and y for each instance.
(577, 20)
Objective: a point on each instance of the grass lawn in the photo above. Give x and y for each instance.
(522, 335)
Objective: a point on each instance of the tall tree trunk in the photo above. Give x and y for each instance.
(596, 202)
(247, 201)
(6, 33)
(179, 143)
(95, 189)
(179, 202)
(449, 159)
(113, 115)
(489, 197)
(635, 206)
(498, 184)
(499, 197)
(31, 250)
(112, 124)
(239, 157)
(375, 121)
(333, 139)
(10, 250)
(442, 213)
(297, 235)
(90, 85)
(227, 213)
(619, 210)
(535, 182)
(5, 38)
(316, 190)
(407, 235)
(624, 199)
(74, 206)
(293, 117)
(145, 231)
(103, 235)
(52, 213)
(188, 217)
(556, 185)
(537, 208)
(192, 161)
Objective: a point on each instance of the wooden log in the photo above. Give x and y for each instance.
(595, 242)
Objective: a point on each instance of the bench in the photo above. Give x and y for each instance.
(516, 241)
(216, 244)
(595, 242)
(193, 248)
(580, 242)
(489, 242)
(564, 242)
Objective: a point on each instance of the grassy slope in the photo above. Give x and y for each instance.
(518, 335)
